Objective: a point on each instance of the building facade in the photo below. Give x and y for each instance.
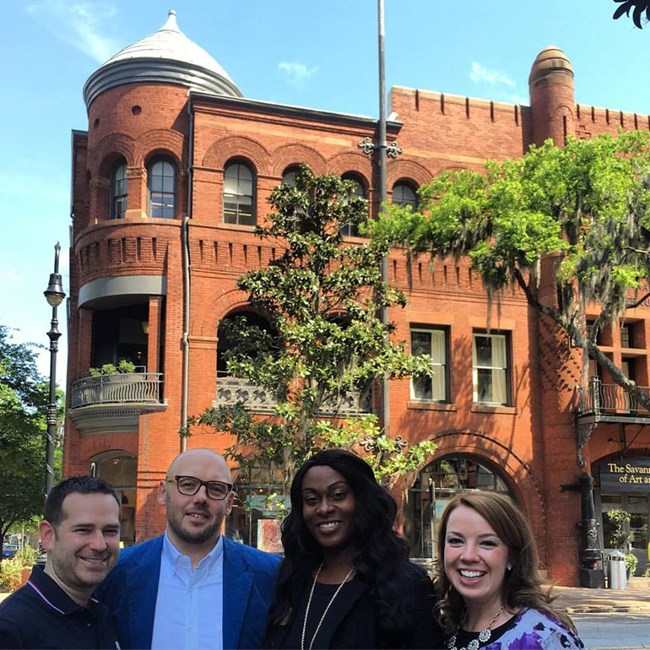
(168, 181)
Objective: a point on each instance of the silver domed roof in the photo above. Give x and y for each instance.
(166, 56)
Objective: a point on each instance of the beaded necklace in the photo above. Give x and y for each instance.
(483, 636)
(322, 618)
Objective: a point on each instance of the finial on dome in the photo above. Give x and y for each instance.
(170, 23)
(166, 56)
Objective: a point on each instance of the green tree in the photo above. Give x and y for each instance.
(24, 396)
(326, 343)
(638, 9)
(581, 209)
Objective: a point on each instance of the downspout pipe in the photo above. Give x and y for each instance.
(185, 245)
(381, 161)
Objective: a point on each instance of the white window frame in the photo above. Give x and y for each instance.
(119, 191)
(162, 189)
(496, 392)
(436, 387)
(239, 194)
(352, 229)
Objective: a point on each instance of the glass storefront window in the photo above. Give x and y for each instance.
(435, 486)
(259, 508)
(120, 471)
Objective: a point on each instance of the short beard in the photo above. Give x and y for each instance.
(198, 537)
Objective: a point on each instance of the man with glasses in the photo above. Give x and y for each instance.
(192, 587)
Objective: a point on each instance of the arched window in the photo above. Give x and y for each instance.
(119, 191)
(404, 194)
(289, 175)
(120, 470)
(227, 337)
(239, 195)
(434, 487)
(352, 229)
(162, 189)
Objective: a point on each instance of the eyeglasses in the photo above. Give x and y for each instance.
(188, 486)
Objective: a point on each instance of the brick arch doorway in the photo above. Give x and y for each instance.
(434, 487)
(119, 468)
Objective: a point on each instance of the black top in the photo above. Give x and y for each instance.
(353, 620)
(464, 637)
(322, 596)
(42, 615)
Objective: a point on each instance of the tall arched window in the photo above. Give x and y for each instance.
(120, 470)
(226, 335)
(239, 195)
(119, 191)
(162, 189)
(404, 194)
(352, 229)
(435, 486)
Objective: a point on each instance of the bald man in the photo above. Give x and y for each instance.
(192, 587)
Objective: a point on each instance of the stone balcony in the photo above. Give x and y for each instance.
(113, 403)
(231, 390)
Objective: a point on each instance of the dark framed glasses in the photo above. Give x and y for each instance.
(189, 485)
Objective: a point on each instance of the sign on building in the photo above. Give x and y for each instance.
(625, 475)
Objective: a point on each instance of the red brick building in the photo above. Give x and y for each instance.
(170, 177)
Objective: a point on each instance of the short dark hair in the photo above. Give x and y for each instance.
(81, 484)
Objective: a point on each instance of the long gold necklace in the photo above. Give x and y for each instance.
(483, 636)
(322, 618)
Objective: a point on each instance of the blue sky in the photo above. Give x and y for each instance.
(315, 53)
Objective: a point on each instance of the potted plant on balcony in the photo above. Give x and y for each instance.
(123, 367)
(115, 380)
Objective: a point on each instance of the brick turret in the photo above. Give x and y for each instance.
(552, 97)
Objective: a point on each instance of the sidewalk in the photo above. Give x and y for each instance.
(577, 600)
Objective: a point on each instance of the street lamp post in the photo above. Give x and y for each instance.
(54, 295)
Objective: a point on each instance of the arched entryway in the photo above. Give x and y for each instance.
(434, 487)
(119, 469)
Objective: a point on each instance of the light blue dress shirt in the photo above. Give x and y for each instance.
(189, 606)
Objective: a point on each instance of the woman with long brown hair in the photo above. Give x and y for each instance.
(492, 595)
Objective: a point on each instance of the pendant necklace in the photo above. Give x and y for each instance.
(322, 618)
(483, 636)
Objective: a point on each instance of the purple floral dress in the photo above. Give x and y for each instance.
(535, 630)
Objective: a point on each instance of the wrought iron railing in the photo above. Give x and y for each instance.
(231, 390)
(600, 398)
(119, 388)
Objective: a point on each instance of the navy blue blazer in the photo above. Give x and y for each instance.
(249, 575)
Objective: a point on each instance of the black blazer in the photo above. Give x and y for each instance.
(357, 627)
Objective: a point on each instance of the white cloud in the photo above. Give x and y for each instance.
(297, 73)
(516, 98)
(79, 24)
(11, 276)
(482, 74)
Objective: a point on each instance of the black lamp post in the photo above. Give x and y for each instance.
(54, 295)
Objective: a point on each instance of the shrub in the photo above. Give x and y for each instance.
(620, 536)
(631, 561)
(11, 571)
